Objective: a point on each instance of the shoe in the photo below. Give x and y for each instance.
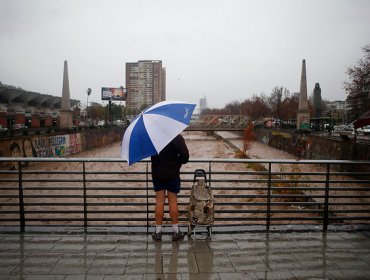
(177, 236)
(157, 236)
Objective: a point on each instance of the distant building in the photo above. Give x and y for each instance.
(337, 105)
(203, 104)
(316, 98)
(35, 110)
(337, 111)
(145, 83)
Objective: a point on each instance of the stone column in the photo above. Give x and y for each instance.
(66, 114)
(303, 114)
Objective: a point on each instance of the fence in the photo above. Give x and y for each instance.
(100, 193)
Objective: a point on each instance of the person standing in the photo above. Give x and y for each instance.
(166, 181)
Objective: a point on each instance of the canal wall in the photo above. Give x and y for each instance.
(59, 144)
(64, 144)
(315, 147)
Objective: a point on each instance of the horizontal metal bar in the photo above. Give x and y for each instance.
(124, 188)
(204, 160)
(53, 204)
(294, 218)
(238, 194)
(82, 219)
(349, 203)
(248, 211)
(349, 196)
(367, 211)
(346, 189)
(78, 188)
(79, 196)
(81, 211)
(367, 218)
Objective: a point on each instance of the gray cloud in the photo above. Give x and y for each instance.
(225, 50)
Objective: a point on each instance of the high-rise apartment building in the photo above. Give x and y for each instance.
(145, 83)
(203, 104)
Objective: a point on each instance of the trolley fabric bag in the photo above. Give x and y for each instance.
(201, 203)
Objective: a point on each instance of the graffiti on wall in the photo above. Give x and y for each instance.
(63, 145)
(42, 147)
(53, 146)
(58, 145)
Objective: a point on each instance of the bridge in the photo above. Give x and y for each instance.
(92, 219)
(100, 192)
(218, 122)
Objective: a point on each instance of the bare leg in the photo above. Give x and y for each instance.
(174, 213)
(160, 197)
(173, 208)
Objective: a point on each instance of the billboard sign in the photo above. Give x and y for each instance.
(114, 94)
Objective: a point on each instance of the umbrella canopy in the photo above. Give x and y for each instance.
(154, 128)
(362, 120)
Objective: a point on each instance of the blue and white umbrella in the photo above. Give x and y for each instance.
(154, 128)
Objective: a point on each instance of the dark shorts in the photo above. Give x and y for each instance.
(172, 186)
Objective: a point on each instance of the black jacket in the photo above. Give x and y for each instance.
(166, 165)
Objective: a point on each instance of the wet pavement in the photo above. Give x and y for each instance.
(274, 255)
(252, 255)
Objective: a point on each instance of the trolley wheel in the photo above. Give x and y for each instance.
(209, 232)
(190, 229)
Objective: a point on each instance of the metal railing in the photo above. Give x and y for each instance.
(99, 192)
(218, 122)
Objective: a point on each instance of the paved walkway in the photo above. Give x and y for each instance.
(302, 255)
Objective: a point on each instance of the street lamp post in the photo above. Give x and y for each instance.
(87, 103)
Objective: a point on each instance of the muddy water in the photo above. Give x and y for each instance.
(61, 181)
(200, 145)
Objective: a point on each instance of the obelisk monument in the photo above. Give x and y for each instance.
(303, 114)
(65, 114)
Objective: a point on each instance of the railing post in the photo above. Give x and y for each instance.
(326, 199)
(84, 193)
(147, 198)
(22, 219)
(210, 174)
(268, 214)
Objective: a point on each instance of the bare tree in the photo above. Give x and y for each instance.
(358, 86)
(276, 100)
(233, 108)
(290, 105)
(260, 108)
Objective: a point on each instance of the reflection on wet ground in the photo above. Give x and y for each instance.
(274, 255)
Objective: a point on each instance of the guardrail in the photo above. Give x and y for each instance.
(95, 192)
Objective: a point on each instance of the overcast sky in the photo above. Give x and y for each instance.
(225, 50)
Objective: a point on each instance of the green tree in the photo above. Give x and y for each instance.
(116, 111)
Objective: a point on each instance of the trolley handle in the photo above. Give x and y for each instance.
(200, 173)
